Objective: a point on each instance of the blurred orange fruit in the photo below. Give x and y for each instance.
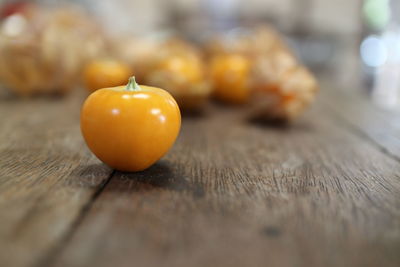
(182, 74)
(104, 73)
(230, 75)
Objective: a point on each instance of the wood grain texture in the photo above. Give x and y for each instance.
(366, 119)
(47, 176)
(236, 193)
(232, 192)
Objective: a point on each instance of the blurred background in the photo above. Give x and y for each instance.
(353, 44)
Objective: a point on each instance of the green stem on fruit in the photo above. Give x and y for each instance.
(132, 85)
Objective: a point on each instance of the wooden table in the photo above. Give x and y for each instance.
(232, 192)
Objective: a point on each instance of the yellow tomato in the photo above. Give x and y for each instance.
(105, 73)
(130, 128)
(230, 78)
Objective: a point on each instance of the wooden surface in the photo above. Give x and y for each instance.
(232, 192)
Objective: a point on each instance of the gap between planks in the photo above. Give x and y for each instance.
(354, 127)
(48, 259)
(358, 131)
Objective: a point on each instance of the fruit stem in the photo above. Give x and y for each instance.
(132, 85)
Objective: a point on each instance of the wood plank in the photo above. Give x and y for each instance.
(365, 118)
(47, 176)
(235, 193)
